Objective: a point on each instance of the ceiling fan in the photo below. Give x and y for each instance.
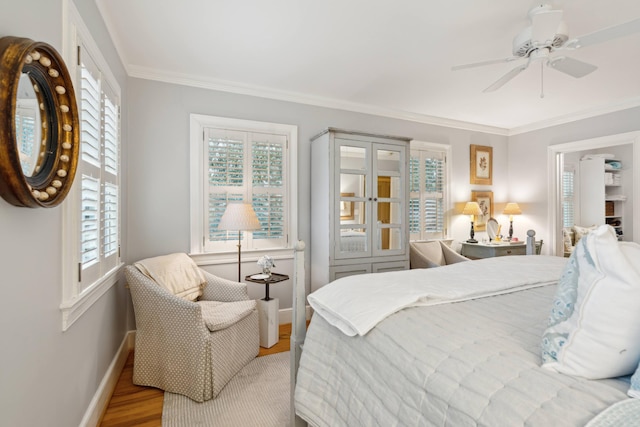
(548, 34)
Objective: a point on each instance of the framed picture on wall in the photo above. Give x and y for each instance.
(485, 201)
(481, 165)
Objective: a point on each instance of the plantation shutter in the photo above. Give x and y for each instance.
(246, 167)
(267, 188)
(99, 171)
(110, 179)
(90, 170)
(434, 195)
(568, 200)
(426, 200)
(414, 195)
(225, 177)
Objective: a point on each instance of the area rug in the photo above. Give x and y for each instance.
(259, 395)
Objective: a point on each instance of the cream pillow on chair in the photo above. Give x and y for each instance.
(594, 326)
(177, 273)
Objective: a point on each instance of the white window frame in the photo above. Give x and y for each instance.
(446, 151)
(77, 298)
(199, 194)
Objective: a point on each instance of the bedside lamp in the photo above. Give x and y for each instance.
(511, 209)
(471, 209)
(239, 217)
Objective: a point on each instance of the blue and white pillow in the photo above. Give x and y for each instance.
(634, 390)
(594, 324)
(562, 308)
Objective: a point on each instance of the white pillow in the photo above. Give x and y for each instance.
(595, 320)
(634, 390)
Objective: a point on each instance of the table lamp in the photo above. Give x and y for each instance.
(239, 217)
(511, 209)
(472, 209)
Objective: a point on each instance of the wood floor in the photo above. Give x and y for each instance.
(132, 405)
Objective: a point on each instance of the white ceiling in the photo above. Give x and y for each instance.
(380, 56)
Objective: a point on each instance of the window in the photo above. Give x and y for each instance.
(242, 161)
(568, 198)
(92, 209)
(427, 191)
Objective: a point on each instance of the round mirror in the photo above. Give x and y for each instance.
(28, 126)
(39, 130)
(492, 228)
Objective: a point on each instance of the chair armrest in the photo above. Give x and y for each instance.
(451, 256)
(219, 289)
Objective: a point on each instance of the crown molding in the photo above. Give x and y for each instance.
(263, 92)
(573, 117)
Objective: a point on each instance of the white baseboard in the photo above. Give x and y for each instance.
(103, 394)
(284, 314)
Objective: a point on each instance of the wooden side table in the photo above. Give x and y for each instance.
(268, 309)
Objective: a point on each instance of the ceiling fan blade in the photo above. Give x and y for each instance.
(572, 67)
(544, 26)
(480, 64)
(606, 34)
(504, 79)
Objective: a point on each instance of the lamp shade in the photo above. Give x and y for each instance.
(239, 217)
(472, 208)
(512, 209)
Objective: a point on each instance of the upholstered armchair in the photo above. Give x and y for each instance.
(190, 340)
(433, 253)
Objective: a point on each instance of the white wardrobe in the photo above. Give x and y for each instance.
(359, 204)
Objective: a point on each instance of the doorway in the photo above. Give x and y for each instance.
(573, 150)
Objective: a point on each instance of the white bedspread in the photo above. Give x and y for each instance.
(356, 304)
(467, 364)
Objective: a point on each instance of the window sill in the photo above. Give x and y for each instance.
(232, 257)
(73, 309)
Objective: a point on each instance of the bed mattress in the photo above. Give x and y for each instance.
(468, 363)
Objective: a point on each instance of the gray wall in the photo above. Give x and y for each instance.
(527, 162)
(159, 182)
(48, 377)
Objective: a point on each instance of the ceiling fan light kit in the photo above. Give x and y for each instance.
(547, 34)
(544, 24)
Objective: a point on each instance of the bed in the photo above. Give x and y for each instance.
(448, 357)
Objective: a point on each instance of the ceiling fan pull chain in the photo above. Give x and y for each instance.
(541, 80)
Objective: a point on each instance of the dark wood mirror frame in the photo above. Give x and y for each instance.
(59, 144)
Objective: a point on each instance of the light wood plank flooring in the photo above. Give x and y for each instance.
(132, 405)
